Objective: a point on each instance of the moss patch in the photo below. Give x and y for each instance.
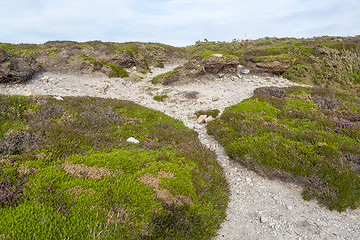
(160, 98)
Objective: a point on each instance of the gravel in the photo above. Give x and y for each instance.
(259, 208)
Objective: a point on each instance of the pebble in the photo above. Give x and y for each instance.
(45, 79)
(201, 119)
(264, 219)
(209, 119)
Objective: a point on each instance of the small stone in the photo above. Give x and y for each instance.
(215, 99)
(245, 71)
(192, 116)
(133, 140)
(217, 55)
(201, 119)
(221, 75)
(264, 219)
(45, 79)
(191, 94)
(248, 180)
(209, 119)
(242, 70)
(290, 207)
(100, 89)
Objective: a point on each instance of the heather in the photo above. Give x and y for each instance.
(309, 136)
(67, 171)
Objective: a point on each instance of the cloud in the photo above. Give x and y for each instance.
(176, 22)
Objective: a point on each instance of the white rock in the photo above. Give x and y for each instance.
(264, 219)
(45, 79)
(209, 119)
(221, 75)
(100, 89)
(215, 99)
(245, 71)
(133, 140)
(58, 98)
(201, 119)
(217, 55)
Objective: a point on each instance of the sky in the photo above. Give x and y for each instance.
(174, 22)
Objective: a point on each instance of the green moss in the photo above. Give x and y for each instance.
(117, 71)
(213, 112)
(133, 50)
(160, 98)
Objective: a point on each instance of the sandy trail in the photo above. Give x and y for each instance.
(259, 208)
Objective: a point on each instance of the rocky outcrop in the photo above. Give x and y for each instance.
(274, 66)
(16, 69)
(215, 65)
(19, 63)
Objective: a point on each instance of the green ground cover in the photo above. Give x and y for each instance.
(67, 171)
(305, 135)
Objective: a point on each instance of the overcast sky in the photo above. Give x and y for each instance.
(175, 22)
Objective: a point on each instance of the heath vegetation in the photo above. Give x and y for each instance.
(306, 135)
(67, 171)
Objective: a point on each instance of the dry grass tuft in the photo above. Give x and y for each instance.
(82, 171)
(25, 171)
(164, 194)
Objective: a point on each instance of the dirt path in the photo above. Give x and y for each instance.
(259, 208)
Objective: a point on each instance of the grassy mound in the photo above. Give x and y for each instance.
(332, 62)
(307, 135)
(67, 171)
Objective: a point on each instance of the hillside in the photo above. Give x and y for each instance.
(59, 139)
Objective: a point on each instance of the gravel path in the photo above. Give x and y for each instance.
(258, 208)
